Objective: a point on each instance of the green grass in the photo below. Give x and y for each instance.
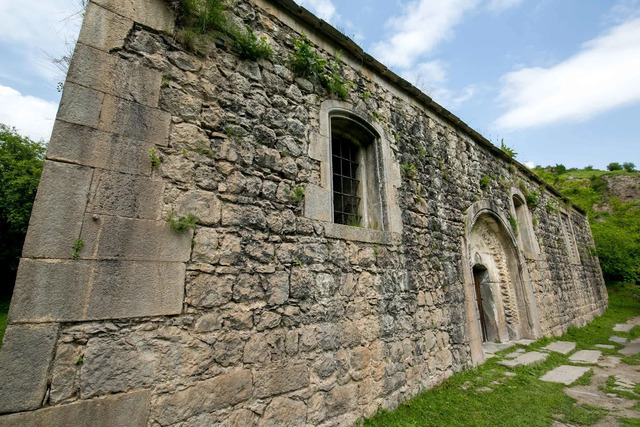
(521, 400)
(4, 310)
(586, 174)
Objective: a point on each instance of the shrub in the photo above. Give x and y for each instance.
(614, 166)
(180, 224)
(559, 169)
(533, 200)
(628, 166)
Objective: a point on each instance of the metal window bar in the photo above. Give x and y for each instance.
(345, 184)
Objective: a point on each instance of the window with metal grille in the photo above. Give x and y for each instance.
(346, 185)
(355, 174)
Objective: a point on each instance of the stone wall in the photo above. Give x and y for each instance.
(265, 313)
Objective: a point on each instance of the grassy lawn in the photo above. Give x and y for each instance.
(520, 400)
(4, 309)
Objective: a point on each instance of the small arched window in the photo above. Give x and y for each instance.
(355, 170)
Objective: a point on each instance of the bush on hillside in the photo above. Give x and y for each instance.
(629, 167)
(614, 166)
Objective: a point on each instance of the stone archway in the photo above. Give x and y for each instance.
(499, 295)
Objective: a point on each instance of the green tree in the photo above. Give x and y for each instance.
(614, 166)
(628, 166)
(21, 163)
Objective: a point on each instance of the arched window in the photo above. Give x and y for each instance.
(355, 170)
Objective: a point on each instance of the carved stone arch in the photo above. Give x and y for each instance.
(526, 237)
(496, 281)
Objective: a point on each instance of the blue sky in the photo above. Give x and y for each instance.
(559, 80)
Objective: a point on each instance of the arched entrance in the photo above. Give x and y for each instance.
(499, 296)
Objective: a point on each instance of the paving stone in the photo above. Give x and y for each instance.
(607, 346)
(524, 359)
(514, 354)
(622, 328)
(490, 348)
(565, 374)
(586, 356)
(564, 347)
(525, 342)
(609, 362)
(630, 349)
(619, 340)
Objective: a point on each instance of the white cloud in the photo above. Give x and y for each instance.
(502, 5)
(421, 27)
(33, 117)
(605, 74)
(530, 165)
(426, 73)
(39, 26)
(322, 8)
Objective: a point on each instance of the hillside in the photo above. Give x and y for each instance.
(612, 202)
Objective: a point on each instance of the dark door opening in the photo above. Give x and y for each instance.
(478, 272)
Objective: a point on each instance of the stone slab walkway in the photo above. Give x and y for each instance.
(565, 374)
(623, 328)
(586, 356)
(524, 359)
(564, 347)
(619, 340)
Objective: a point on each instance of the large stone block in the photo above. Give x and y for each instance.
(122, 410)
(276, 381)
(26, 354)
(134, 120)
(153, 13)
(207, 396)
(126, 195)
(89, 290)
(113, 237)
(73, 143)
(136, 289)
(103, 29)
(49, 290)
(58, 210)
(80, 105)
(111, 74)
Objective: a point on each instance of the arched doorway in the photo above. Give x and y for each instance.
(499, 296)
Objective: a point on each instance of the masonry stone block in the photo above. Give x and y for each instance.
(49, 290)
(152, 13)
(57, 213)
(271, 382)
(71, 143)
(103, 29)
(111, 74)
(134, 120)
(80, 105)
(113, 237)
(136, 289)
(126, 195)
(121, 410)
(27, 352)
(87, 290)
(224, 390)
(316, 200)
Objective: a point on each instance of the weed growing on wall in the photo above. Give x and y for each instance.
(198, 20)
(485, 181)
(180, 224)
(305, 62)
(507, 150)
(77, 246)
(514, 224)
(153, 156)
(533, 200)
